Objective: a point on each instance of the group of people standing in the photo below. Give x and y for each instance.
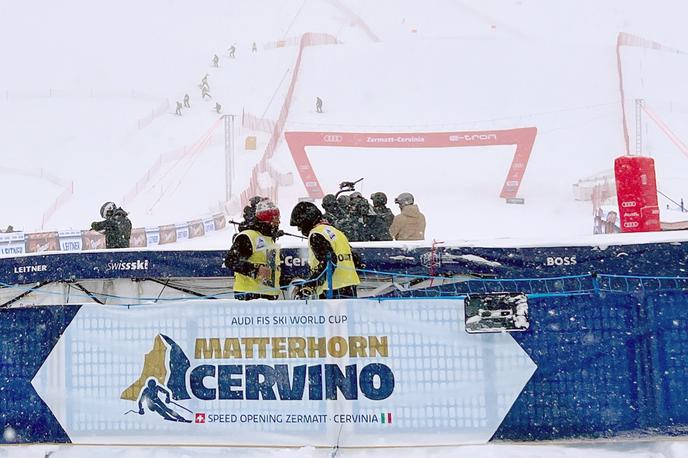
(254, 256)
(362, 221)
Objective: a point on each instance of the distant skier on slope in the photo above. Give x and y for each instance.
(232, 50)
(318, 105)
(216, 61)
(178, 111)
(186, 101)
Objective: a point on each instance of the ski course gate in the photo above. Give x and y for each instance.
(523, 138)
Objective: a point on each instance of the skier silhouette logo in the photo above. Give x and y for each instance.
(150, 399)
(162, 382)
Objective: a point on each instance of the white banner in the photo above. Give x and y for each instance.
(70, 240)
(286, 373)
(11, 244)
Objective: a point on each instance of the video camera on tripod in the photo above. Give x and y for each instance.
(347, 186)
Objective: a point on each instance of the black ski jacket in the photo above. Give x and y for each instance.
(117, 229)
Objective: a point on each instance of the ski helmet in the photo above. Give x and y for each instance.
(344, 202)
(361, 207)
(250, 209)
(379, 199)
(107, 208)
(329, 202)
(267, 212)
(404, 199)
(305, 216)
(253, 201)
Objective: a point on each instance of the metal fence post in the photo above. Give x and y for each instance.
(328, 272)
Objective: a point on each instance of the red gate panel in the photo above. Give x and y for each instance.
(636, 190)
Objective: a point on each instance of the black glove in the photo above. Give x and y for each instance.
(301, 290)
(304, 292)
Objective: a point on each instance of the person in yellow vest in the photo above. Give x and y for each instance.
(255, 256)
(326, 244)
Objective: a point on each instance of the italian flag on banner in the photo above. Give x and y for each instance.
(386, 417)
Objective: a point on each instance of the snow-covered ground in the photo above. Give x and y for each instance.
(660, 449)
(83, 84)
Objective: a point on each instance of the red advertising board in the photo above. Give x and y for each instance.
(42, 241)
(636, 189)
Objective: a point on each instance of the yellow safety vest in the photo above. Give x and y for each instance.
(265, 252)
(345, 271)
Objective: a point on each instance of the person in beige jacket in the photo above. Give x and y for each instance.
(410, 223)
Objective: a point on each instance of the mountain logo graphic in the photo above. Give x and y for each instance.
(164, 373)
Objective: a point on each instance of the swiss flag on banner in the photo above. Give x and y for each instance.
(199, 418)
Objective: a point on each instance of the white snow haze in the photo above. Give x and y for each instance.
(88, 91)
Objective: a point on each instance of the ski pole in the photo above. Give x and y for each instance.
(672, 200)
(294, 235)
(179, 405)
(281, 233)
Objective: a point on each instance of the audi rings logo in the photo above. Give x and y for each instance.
(329, 138)
(628, 203)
